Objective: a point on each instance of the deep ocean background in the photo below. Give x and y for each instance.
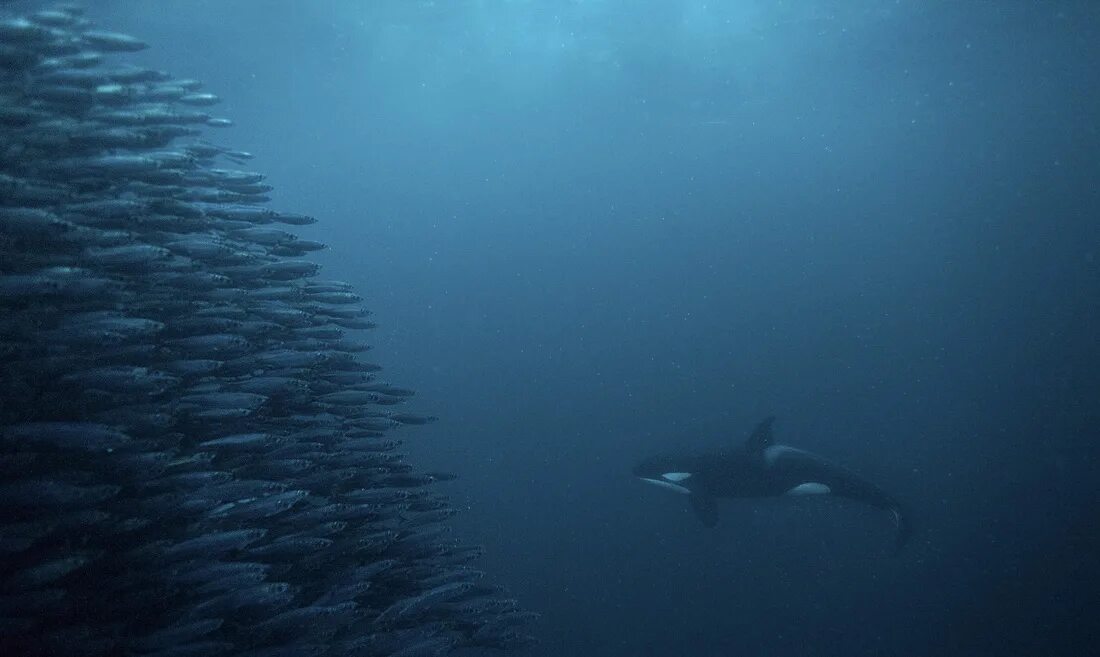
(596, 229)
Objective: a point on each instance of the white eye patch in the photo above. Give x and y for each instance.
(676, 476)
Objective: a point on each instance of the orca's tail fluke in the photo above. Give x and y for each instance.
(902, 526)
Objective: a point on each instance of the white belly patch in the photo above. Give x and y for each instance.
(668, 485)
(810, 488)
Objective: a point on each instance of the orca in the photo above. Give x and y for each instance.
(761, 468)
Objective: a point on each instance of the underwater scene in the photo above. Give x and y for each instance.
(614, 328)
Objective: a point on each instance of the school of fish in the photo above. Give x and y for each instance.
(194, 459)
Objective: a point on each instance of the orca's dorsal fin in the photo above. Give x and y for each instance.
(761, 437)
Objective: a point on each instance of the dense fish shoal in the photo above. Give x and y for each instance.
(194, 457)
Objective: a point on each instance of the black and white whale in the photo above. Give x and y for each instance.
(761, 468)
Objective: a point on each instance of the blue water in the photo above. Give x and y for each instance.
(595, 229)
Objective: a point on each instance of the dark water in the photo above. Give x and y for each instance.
(592, 230)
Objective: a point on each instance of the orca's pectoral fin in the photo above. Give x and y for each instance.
(705, 508)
